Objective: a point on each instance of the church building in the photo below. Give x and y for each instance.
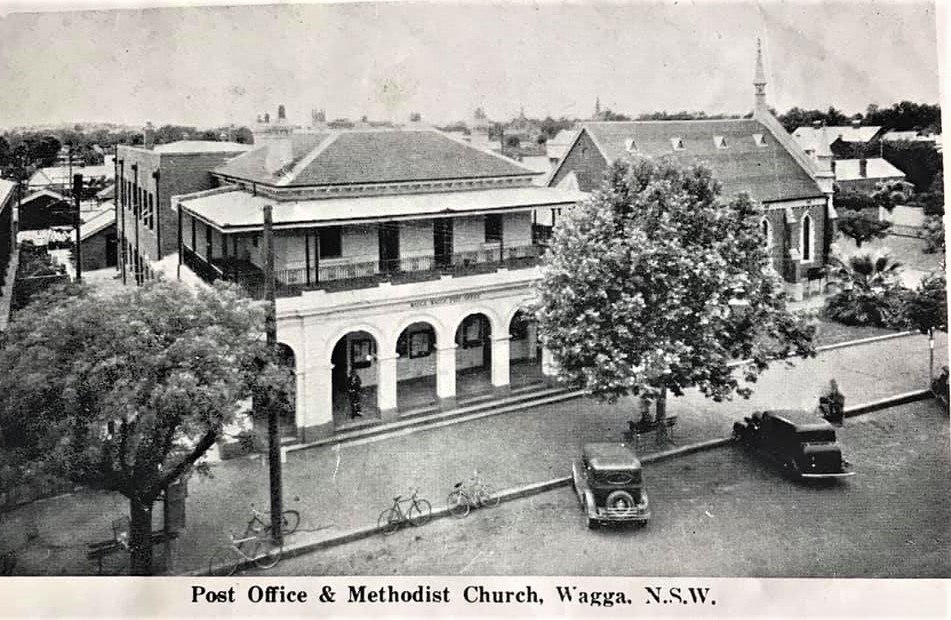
(752, 155)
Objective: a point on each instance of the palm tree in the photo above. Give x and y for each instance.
(871, 294)
(868, 271)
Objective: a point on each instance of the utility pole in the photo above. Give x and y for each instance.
(930, 355)
(273, 436)
(77, 223)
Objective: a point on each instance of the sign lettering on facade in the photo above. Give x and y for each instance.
(445, 299)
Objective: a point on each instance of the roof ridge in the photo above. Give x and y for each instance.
(309, 158)
(507, 160)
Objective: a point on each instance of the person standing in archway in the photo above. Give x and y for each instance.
(354, 389)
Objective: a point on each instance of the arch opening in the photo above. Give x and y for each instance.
(473, 356)
(416, 366)
(354, 378)
(288, 406)
(525, 351)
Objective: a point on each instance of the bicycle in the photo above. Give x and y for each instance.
(255, 546)
(419, 513)
(259, 521)
(473, 493)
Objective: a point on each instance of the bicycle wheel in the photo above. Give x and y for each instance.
(266, 553)
(389, 521)
(458, 504)
(487, 496)
(420, 512)
(291, 519)
(224, 561)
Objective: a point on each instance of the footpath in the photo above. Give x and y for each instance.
(341, 489)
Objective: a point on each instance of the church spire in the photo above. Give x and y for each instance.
(759, 79)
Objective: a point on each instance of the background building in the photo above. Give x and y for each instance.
(754, 156)
(148, 176)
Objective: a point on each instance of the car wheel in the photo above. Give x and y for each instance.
(620, 500)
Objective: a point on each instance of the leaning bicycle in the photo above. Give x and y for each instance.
(290, 519)
(256, 546)
(258, 549)
(393, 518)
(473, 493)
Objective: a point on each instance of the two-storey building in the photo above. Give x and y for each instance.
(401, 255)
(147, 177)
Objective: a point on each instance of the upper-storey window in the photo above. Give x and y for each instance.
(493, 228)
(330, 243)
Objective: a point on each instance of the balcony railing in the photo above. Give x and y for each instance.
(363, 274)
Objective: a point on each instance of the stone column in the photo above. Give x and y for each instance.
(446, 374)
(315, 402)
(500, 361)
(386, 388)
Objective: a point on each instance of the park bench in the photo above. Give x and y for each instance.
(120, 542)
(637, 429)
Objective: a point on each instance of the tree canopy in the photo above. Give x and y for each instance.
(126, 393)
(638, 283)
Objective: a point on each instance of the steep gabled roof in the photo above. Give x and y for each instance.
(743, 154)
(383, 156)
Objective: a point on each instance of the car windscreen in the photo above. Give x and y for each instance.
(618, 477)
(817, 436)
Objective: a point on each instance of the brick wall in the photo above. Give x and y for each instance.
(586, 161)
(179, 173)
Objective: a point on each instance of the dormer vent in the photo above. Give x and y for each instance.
(719, 142)
(759, 139)
(629, 145)
(677, 143)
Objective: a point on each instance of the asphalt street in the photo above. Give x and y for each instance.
(718, 513)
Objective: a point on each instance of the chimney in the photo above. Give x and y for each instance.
(415, 118)
(148, 140)
(863, 168)
(856, 123)
(318, 118)
(817, 124)
(281, 115)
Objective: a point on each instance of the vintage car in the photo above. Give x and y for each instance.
(607, 479)
(800, 442)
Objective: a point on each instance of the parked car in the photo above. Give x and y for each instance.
(800, 442)
(607, 479)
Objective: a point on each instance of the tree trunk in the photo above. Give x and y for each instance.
(140, 537)
(661, 433)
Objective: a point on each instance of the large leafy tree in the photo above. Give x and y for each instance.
(126, 393)
(638, 284)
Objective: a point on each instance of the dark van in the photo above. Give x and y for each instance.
(800, 442)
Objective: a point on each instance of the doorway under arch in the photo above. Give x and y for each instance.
(354, 355)
(474, 356)
(288, 409)
(416, 367)
(525, 351)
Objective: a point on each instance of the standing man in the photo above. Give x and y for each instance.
(354, 387)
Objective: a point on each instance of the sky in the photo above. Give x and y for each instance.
(216, 65)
